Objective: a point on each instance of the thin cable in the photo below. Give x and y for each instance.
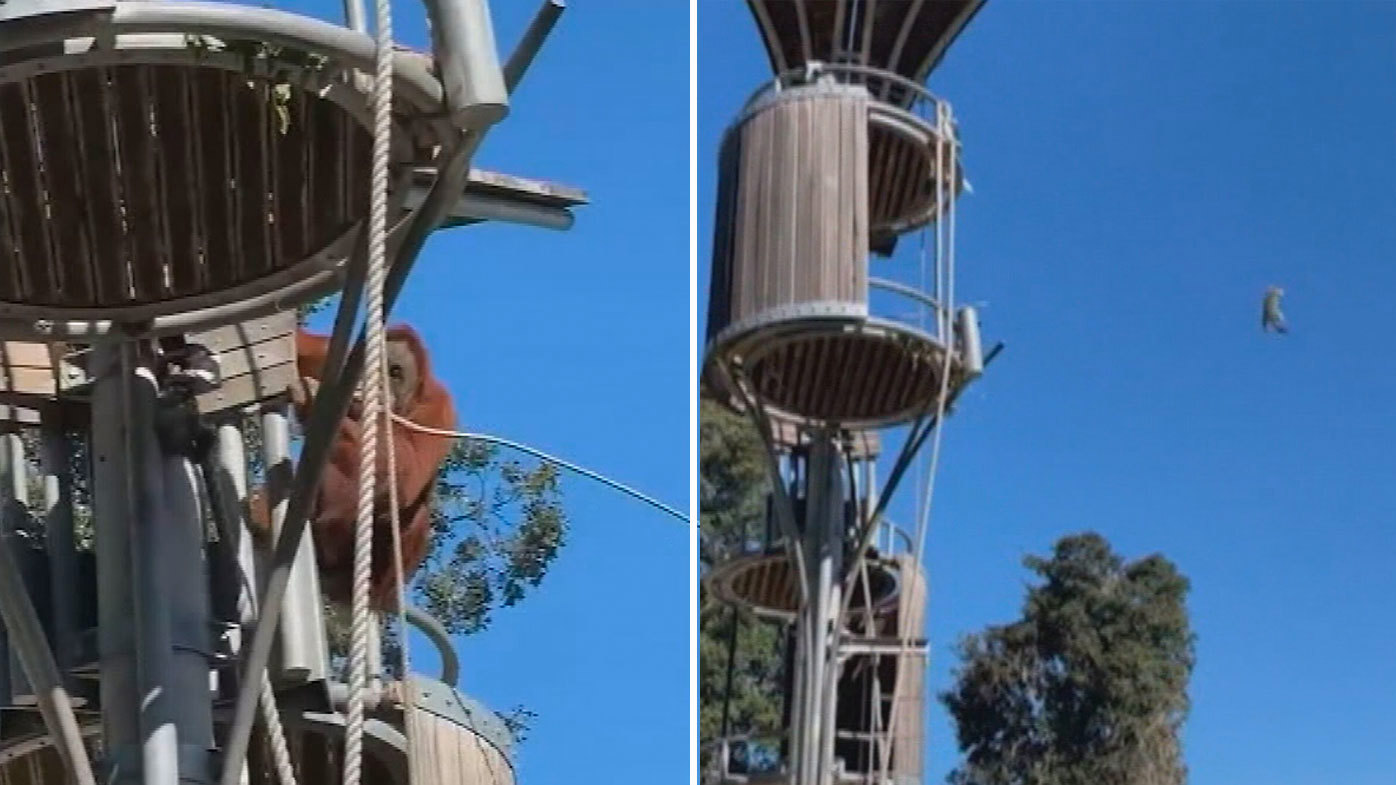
(381, 100)
(944, 272)
(484, 437)
(405, 663)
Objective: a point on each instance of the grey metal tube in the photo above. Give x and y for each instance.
(354, 16)
(479, 207)
(14, 486)
(303, 649)
(111, 505)
(181, 543)
(28, 641)
(151, 612)
(462, 37)
(58, 537)
(229, 495)
(436, 633)
(531, 42)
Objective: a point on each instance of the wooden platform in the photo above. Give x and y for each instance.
(257, 360)
(130, 186)
(768, 586)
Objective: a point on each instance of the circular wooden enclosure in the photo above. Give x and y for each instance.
(912, 169)
(165, 173)
(788, 305)
(455, 739)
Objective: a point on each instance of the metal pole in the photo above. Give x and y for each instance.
(111, 507)
(824, 537)
(303, 647)
(467, 62)
(58, 536)
(14, 487)
(154, 644)
(228, 481)
(527, 49)
(181, 541)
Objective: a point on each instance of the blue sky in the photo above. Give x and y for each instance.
(576, 343)
(1142, 170)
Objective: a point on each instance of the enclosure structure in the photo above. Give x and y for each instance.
(824, 168)
(200, 169)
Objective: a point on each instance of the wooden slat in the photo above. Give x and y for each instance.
(292, 183)
(794, 227)
(326, 166)
(215, 177)
(109, 249)
(63, 155)
(24, 201)
(178, 178)
(249, 106)
(230, 336)
(130, 91)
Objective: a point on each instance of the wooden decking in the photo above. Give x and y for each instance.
(907, 37)
(134, 184)
(257, 360)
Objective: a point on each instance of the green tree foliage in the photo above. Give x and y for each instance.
(1090, 686)
(733, 486)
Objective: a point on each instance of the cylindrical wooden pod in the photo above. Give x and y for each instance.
(788, 317)
(791, 235)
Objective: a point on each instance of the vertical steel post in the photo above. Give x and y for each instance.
(111, 497)
(466, 58)
(235, 595)
(157, 714)
(58, 537)
(12, 487)
(182, 538)
(302, 650)
(816, 631)
(824, 534)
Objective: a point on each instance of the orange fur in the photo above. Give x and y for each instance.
(417, 456)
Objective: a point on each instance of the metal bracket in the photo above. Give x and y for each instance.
(849, 647)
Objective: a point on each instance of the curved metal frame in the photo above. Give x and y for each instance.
(719, 579)
(749, 341)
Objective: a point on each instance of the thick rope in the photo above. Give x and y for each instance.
(276, 735)
(601, 478)
(381, 100)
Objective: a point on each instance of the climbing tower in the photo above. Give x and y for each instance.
(825, 168)
(200, 169)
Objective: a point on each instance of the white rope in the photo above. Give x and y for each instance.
(276, 734)
(381, 101)
(601, 478)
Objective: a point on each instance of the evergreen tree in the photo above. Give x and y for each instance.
(1089, 687)
(742, 674)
